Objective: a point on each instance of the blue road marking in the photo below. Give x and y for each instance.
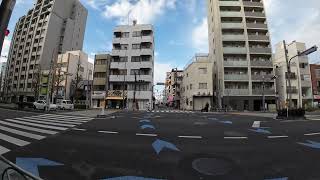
(226, 122)
(158, 145)
(147, 126)
(312, 144)
(31, 164)
(259, 130)
(284, 178)
(131, 178)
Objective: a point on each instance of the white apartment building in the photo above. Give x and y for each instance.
(301, 86)
(68, 66)
(197, 84)
(131, 69)
(239, 46)
(3, 66)
(52, 27)
(173, 88)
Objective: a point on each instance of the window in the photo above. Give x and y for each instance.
(125, 34)
(202, 70)
(135, 59)
(135, 71)
(136, 46)
(203, 86)
(124, 46)
(190, 86)
(99, 75)
(136, 34)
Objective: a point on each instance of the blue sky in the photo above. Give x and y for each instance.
(180, 26)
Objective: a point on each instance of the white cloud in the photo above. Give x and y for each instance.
(160, 71)
(5, 50)
(144, 11)
(200, 36)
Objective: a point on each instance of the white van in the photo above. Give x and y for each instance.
(65, 105)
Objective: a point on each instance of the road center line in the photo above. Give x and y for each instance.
(108, 132)
(77, 129)
(236, 137)
(150, 135)
(312, 134)
(275, 137)
(191, 137)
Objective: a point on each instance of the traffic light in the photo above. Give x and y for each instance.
(7, 32)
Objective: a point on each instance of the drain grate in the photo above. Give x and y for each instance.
(212, 166)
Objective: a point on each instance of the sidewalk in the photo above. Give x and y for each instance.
(8, 106)
(258, 114)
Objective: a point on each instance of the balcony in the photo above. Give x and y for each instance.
(235, 50)
(265, 50)
(236, 77)
(293, 90)
(130, 78)
(229, 3)
(261, 64)
(236, 63)
(252, 4)
(257, 26)
(259, 77)
(98, 95)
(140, 94)
(232, 25)
(236, 92)
(100, 68)
(255, 14)
(258, 38)
(117, 94)
(230, 14)
(304, 71)
(305, 83)
(99, 81)
(263, 91)
(233, 37)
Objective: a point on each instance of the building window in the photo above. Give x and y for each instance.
(317, 73)
(136, 34)
(99, 75)
(135, 46)
(135, 59)
(125, 34)
(190, 86)
(202, 70)
(203, 85)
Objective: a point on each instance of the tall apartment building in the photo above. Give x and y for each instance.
(52, 27)
(301, 88)
(3, 66)
(197, 85)
(173, 88)
(100, 79)
(315, 80)
(131, 69)
(239, 45)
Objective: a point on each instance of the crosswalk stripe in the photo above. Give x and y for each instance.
(29, 128)
(51, 120)
(60, 119)
(13, 140)
(22, 133)
(3, 150)
(47, 123)
(37, 125)
(64, 116)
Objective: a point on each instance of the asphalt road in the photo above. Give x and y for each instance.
(171, 146)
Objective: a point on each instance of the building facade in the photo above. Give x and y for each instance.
(3, 66)
(300, 78)
(315, 81)
(71, 65)
(132, 67)
(52, 27)
(173, 88)
(100, 80)
(197, 85)
(239, 46)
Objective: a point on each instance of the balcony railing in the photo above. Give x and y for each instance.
(252, 4)
(258, 38)
(292, 90)
(260, 77)
(305, 83)
(264, 50)
(257, 26)
(261, 63)
(117, 93)
(236, 92)
(263, 91)
(236, 77)
(235, 63)
(255, 14)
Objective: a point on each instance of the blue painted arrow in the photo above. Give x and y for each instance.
(147, 126)
(130, 178)
(260, 130)
(158, 145)
(145, 121)
(284, 178)
(31, 164)
(311, 144)
(226, 122)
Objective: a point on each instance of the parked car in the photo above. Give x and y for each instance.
(65, 105)
(42, 105)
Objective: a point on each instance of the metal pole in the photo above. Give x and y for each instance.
(135, 89)
(263, 95)
(288, 74)
(50, 81)
(6, 9)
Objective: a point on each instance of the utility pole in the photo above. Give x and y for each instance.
(6, 9)
(263, 95)
(288, 74)
(134, 92)
(50, 80)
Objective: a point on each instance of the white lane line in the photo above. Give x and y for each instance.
(58, 119)
(3, 150)
(51, 120)
(275, 137)
(312, 134)
(108, 132)
(78, 129)
(22, 133)
(150, 135)
(63, 116)
(37, 125)
(191, 137)
(13, 140)
(235, 137)
(44, 122)
(29, 128)
(256, 124)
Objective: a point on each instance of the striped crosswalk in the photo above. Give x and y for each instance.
(17, 132)
(171, 111)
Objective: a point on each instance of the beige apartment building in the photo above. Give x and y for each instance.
(101, 80)
(68, 66)
(301, 86)
(173, 88)
(132, 67)
(240, 48)
(197, 84)
(52, 27)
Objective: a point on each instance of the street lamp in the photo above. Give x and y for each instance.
(288, 61)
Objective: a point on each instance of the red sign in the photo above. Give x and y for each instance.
(7, 32)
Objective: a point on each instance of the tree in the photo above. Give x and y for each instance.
(76, 81)
(58, 78)
(36, 82)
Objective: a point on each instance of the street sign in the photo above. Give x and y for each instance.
(309, 51)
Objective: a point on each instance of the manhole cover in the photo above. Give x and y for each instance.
(212, 166)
